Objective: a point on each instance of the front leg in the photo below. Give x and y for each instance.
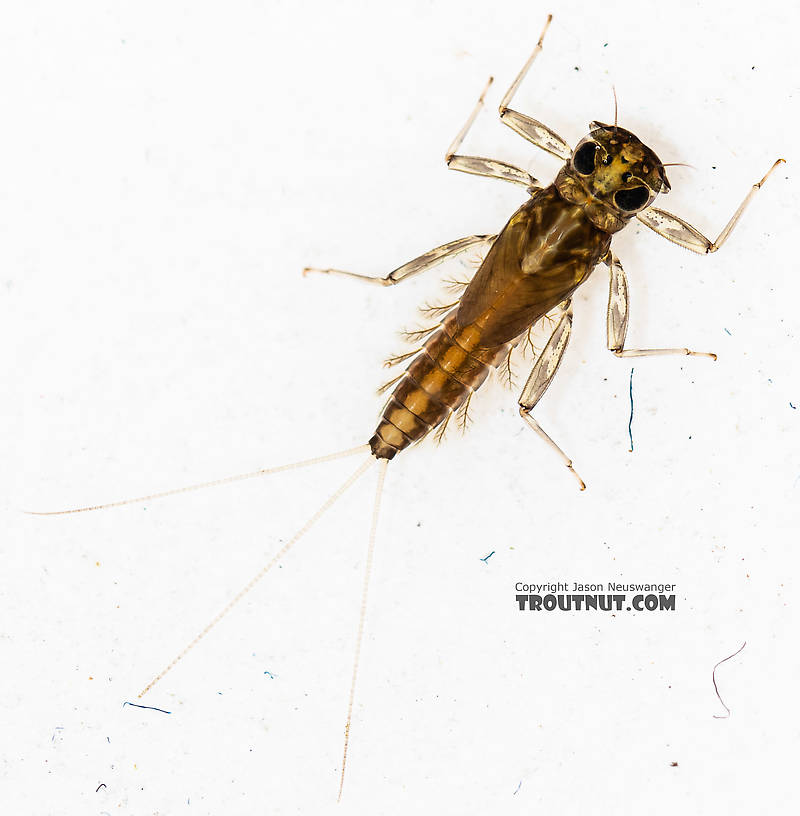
(681, 232)
(617, 317)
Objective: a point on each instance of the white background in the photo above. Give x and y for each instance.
(166, 170)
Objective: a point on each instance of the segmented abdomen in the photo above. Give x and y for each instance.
(450, 366)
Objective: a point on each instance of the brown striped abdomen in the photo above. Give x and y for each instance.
(545, 251)
(450, 366)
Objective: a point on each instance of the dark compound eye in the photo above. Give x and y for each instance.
(583, 160)
(633, 199)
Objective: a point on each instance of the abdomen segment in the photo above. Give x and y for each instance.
(450, 366)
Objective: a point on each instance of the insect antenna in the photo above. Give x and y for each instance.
(348, 483)
(361, 618)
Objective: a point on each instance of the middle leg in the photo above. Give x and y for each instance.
(535, 132)
(480, 166)
(617, 318)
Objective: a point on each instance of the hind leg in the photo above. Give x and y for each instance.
(542, 373)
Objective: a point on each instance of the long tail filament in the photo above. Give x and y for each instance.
(346, 485)
(362, 617)
(263, 571)
(214, 483)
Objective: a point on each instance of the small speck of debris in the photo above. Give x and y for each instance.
(728, 333)
(713, 166)
(576, 68)
(673, 764)
(271, 675)
(604, 45)
(151, 708)
(714, 681)
(630, 418)
(518, 787)
(486, 558)
(793, 407)
(101, 785)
